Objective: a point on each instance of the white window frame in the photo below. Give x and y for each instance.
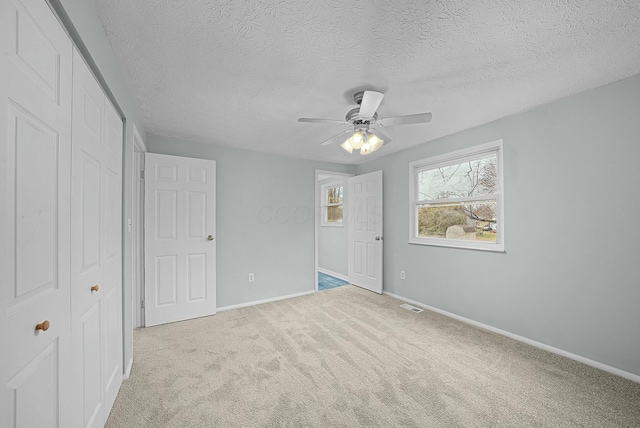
(325, 211)
(458, 156)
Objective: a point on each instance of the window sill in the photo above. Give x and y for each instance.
(464, 245)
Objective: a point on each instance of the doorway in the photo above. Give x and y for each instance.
(332, 232)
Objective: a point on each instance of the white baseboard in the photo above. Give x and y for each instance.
(127, 371)
(258, 302)
(332, 273)
(587, 361)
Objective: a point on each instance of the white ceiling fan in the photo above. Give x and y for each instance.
(363, 122)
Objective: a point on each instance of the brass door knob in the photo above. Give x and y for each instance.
(210, 238)
(44, 325)
(94, 288)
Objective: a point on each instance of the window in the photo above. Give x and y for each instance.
(456, 199)
(332, 204)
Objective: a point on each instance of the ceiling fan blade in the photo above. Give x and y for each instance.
(405, 120)
(312, 120)
(382, 136)
(370, 102)
(335, 137)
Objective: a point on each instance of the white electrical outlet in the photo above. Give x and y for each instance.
(402, 275)
(252, 277)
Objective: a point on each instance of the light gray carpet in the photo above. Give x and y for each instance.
(350, 358)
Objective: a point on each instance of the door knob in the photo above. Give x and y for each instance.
(44, 325)
(378, 238)
(94, 288)
(210, 238)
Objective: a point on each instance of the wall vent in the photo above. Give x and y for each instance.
(411, 308)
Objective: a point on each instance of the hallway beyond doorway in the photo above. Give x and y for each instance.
(326, 282)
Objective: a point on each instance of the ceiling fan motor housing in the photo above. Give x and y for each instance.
(357, 97)
(353, 116)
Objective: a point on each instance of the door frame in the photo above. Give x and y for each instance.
(318, 218)
(137, 239)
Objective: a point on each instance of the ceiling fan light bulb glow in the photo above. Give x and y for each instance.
(366, 149)
(357, 139)
(374, 142)
(347, 146)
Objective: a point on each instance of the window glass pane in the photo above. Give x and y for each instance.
(471, 178)
(469, 221)
(334, 214)
(334, 195)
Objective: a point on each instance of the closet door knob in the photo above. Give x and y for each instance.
(44, 325)
(94, 288)
(210, 238)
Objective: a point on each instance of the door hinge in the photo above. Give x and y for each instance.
(142, 304)
(141, 174)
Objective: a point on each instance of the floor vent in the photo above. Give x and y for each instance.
(411, 308)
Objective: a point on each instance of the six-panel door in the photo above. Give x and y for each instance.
(95, 249)
(35, 143)
(180, 241)
(365, 231)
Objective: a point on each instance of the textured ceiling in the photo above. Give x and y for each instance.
(240, 73)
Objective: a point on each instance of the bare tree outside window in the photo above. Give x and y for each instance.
(333, 204)
(462, 194)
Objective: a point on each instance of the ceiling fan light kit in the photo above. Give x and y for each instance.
(374, 142)
(347, 146)
(356, 140)
(364, 118)
(366, 145)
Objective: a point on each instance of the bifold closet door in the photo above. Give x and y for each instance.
(96, 262)
(35, 144)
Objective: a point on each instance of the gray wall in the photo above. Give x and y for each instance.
(82, 21)
(569, 277)
(264, 219)
(332, 241)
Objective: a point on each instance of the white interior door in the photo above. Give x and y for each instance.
(365, 231)
(35, 144)
(96, 261)
(180, 246)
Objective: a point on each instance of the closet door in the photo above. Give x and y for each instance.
(35, 144)
(112, 262)
(96, 267)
